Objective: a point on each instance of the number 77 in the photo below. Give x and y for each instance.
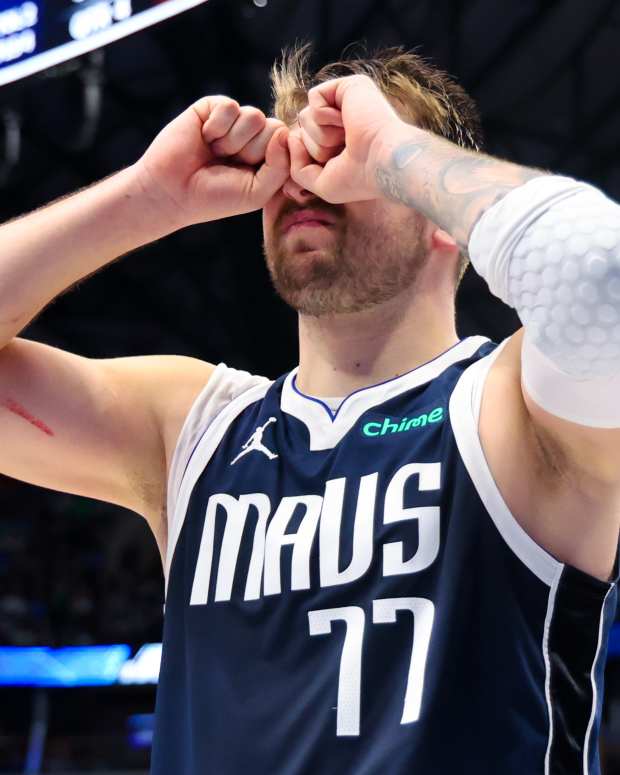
(350, 674)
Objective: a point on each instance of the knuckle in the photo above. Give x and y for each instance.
(253, 117)
(252, 112)
(216, 99)
(363, 80)
(316, 89)
(228, 105)
(314, 98)
(202, 104)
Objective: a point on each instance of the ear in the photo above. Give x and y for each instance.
(441, 240)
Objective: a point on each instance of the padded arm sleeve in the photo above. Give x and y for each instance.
(551, 249)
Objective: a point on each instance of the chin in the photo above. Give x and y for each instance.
(305, 250)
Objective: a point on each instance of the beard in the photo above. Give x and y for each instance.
(364, 263)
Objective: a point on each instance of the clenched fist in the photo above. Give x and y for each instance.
(341, 136)
(216, 159)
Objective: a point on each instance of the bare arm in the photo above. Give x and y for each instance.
(102, 428)
(49, 250)
(106, 428)
(70, 423)
(177, 182)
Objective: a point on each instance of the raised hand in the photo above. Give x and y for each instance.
(216, 159)
(340, 137)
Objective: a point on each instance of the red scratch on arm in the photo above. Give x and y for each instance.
(18, 409)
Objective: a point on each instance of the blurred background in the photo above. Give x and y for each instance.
(80, 573)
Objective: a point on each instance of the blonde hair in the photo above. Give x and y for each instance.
(421, 93)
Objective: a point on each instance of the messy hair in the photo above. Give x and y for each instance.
(421, 93)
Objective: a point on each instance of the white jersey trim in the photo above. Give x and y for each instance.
(586, 745)
(327, 428)
(227, 393)
(545, 649)
(464, 415)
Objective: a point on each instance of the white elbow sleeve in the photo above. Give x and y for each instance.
(551, 249)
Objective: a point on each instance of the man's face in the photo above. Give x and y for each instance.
(329, 259)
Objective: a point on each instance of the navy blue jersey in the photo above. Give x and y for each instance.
(348, 593)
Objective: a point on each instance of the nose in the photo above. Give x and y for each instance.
(296, 193)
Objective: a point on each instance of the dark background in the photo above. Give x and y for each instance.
(546, 77)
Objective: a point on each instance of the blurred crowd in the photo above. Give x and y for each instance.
(74, 571)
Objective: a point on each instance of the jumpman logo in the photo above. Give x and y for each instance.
(255, 442)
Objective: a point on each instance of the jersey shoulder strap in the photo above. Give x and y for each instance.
(464, 409)
(225, 386)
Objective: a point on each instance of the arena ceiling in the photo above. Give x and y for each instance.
(546, 76)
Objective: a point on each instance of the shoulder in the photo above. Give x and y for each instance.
(198, 393)
(183, 393)
(191, 416)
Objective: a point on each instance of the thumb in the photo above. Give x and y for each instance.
(274, 172)
(276, 153)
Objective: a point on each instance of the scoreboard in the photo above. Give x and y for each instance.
(37, 34)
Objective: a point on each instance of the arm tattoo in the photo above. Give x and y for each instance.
(448, 184)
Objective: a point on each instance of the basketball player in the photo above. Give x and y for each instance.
(399, 557)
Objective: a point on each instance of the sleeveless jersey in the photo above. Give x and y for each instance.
(348, 593)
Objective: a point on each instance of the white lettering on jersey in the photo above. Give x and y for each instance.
(257, 561)
(301, 540)
(350, 672)
(236, 512)
(329, 538)
(270, 535)
(427, 516)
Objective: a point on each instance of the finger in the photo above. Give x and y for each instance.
(322, 143)
(249, 123)
(325, 115)
(318, 152)
(331, 93)
(304, 171)
(323, 95)
(254, 151)
(274, 173)
(222, 115)
(204, 106)
(321, 131)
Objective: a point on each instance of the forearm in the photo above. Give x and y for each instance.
(446, 183)
(547, 245)
(46, 251)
